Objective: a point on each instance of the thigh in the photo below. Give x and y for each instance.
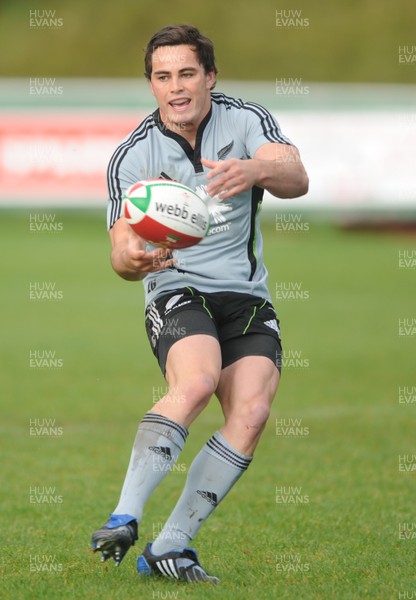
(174, 317)
(183, 335)
(249, 378)
(193, 370)
(194, 357)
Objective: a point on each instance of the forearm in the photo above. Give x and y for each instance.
(284, 177)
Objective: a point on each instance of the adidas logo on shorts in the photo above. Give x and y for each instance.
(273, 325)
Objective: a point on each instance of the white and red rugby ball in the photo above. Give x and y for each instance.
(165, 213)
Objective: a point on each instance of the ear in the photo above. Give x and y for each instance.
(151, 87)
(210, 80)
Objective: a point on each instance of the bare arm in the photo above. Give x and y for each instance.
(281, 171)
(275, 167)
(129, 258)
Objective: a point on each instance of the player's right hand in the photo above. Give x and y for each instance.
(150, 262)
(129, 257)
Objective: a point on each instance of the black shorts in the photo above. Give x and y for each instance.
(244, 325)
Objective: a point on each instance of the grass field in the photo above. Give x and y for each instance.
(323, 514)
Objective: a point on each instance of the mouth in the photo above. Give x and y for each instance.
(180, 105)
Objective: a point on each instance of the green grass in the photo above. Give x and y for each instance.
(344, 535)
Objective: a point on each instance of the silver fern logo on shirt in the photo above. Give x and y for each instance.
(221, 154)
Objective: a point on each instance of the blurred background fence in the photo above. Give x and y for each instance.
(358, 141)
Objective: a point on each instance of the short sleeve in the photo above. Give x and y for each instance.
(126, 167)
(261, 128)
(119, 178)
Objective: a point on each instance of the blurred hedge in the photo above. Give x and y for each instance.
(346, 40)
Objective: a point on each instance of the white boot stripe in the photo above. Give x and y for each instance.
(166, 569)
(172, 565)
(161, 568)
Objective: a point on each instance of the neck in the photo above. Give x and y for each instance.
(185, 130)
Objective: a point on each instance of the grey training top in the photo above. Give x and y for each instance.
(230, 257)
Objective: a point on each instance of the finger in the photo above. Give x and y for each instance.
(225, 194)
(210, 164)
(216, 167)
(219, 186)
(220, 169)
(137, 254)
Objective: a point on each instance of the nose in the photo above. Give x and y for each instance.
(176, 83)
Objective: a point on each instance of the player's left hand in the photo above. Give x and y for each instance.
(230, 177)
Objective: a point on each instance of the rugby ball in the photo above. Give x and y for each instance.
(165, 213)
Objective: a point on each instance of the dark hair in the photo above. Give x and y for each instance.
(176, 35)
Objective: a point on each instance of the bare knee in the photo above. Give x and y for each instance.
(244, 424)
(185, 400)
(252, 414)
(257, 413)
(198, 389)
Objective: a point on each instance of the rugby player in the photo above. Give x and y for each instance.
(209, 316)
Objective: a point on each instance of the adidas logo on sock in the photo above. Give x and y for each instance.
(163, 451)
(210, 497)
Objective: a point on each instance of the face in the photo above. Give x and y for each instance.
(181, 88)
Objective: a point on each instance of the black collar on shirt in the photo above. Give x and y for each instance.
(193, 154)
